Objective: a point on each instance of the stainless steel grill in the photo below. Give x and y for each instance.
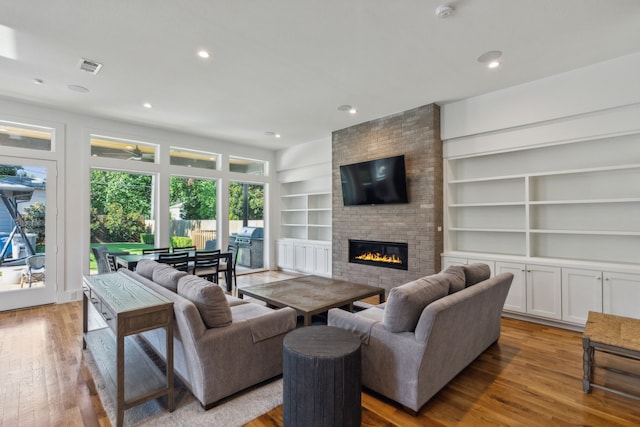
(250, 243)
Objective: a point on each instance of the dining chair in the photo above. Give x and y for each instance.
(155, 251)
(100, 254)
(234, 258)
(111, 257)
(179, 261)
(207, 264)
(35, 269)
(184, 248)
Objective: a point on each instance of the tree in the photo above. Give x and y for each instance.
(131, 191)
(122, 199)
(236, 201)
(198, 197)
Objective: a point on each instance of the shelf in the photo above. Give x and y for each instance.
(319, 225)
(293, 210)
(489, 230)
(585, 201)
(142, 377)
(482, 205)
(488, 179)
(587, 232)
(294, 225)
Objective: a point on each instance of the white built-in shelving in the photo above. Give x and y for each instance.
(306, 209)
(576, 200)
(564, 218)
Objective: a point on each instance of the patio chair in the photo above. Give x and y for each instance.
(179, 261)
(155, 251)
(234, 258)
(35, 270)
(100, 253)
(206, 265)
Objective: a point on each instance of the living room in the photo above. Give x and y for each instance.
(585, 110)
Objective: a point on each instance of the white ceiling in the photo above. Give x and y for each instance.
(286, 65)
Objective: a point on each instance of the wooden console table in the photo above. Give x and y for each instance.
(128, 308)
(615, 335)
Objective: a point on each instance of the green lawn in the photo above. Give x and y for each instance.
(134, 248)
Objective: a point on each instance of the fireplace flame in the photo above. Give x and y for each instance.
(378, 257)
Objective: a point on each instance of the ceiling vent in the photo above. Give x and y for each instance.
(90, 66)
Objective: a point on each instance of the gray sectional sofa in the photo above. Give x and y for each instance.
(427, 332)
(222, 344)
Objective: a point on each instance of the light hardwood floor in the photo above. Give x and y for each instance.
(531, 377)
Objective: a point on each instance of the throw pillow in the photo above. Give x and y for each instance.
(167, 276)
(208, 298)
(455, 275)
(405, 303)
(145, 268)
(476, 273)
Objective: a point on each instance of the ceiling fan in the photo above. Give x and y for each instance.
(120, 153)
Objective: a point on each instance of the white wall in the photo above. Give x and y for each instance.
(604, 97)
(72, 154)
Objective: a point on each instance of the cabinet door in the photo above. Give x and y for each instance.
(581, 293)
(303, 258)
(621, 293)
(491, 264)
(448, 261)
(322, 256)
(285, 255)
(517, 296)
(544, 292)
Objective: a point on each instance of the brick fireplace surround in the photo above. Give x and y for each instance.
(416, 134)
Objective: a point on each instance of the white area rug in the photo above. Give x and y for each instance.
(237, 411)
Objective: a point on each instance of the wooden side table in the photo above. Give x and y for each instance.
(615, 335)
(321, 378)
(128, 308)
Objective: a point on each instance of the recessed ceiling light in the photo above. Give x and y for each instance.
(203, 54)
(347, 107)
(38, 81)
(491, 59)
(77, 88)
(273, 134)
(147, 105)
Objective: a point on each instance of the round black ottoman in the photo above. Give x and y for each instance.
(321, 376)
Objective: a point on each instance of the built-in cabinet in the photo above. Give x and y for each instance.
(305, 256)
(564, 218)
(305, 221)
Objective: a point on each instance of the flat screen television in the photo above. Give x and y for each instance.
(374, 182)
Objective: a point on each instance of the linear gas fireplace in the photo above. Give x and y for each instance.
(379, 254)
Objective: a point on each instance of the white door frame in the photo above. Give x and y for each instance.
(30, 297)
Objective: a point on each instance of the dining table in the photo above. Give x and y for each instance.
(131, 261)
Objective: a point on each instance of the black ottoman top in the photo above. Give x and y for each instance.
(322, 341)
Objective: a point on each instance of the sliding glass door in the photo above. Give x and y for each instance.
(27, 232)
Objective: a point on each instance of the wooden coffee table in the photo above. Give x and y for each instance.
(310, 295)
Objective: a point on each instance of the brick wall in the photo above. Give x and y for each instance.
(416, 134)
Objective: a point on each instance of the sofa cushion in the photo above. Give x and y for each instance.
(455, 275)
(406, 302)
(145, 268)
(167, 276)
(209, 298)
(476, 273)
